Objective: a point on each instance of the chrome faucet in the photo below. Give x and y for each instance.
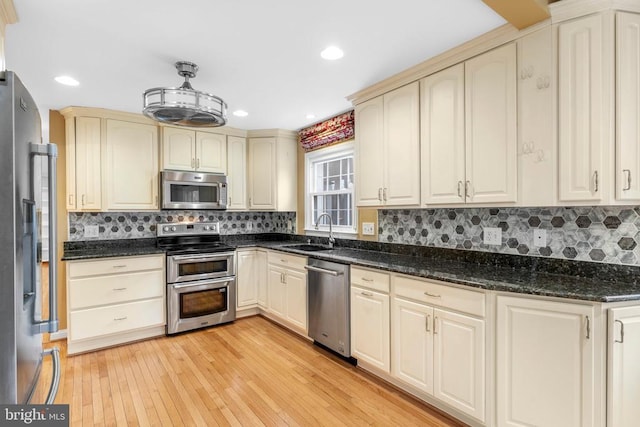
(331, 239)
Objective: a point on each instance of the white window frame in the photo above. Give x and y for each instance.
(323, 155)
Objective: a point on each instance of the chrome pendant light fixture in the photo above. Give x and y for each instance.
(185, 106)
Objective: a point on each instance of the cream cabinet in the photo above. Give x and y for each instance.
(438, 342)
(623, 366)
(261, 267)
(272, 172)
(468, 131)
(537, 141)
(84, 166)
(627, 175)
(236, 173)
(130, 166)
(188, 150)
(114, 300)
(546, 373)
(287, 290)
(388, 149)
(370, 305)
(251, 279)
(582, 111)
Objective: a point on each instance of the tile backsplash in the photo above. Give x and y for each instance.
(600, 234)
(134, 225)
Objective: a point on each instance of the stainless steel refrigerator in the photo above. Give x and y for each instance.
(22, 159)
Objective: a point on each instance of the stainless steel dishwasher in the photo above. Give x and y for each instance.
(329, 308)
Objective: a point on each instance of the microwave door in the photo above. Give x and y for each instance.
(181, 195)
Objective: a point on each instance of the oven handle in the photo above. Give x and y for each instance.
(202, 283)
(199, 257)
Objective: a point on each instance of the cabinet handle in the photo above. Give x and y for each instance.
(467, 189)
(193, 163)
(435, 325)
(595, 181)
(364, 279)
(71, 199)
(120, 266)
(460, 189)
(384, 194)
(628, 187)
(588, 327)
(426, 323)
(119, 289)
(82, 200)
(380, 193)
(621, 340)
(120, 318)
(366, 294)
(197, 163)
(432, 295)
(156, 200)
(283, 260)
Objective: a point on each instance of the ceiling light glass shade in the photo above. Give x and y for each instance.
(185, 106)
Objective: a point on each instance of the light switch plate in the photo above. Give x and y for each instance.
(91, 231)
(539, 238)
(367, 229)
(492, 236)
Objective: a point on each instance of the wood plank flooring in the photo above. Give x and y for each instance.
(247, 373)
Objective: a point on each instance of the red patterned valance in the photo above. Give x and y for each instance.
(336, 129)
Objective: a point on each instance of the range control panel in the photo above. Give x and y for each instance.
(187, 228)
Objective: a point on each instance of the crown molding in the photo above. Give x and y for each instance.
(272, 133)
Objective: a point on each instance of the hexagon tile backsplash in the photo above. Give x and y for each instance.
(601, 234)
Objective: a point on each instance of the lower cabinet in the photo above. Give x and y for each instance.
(545, 363)
(287, 289)
(114, 300)
(251, 279)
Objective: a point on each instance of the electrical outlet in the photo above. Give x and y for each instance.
(492, 236)
(91, 231)
(289, 225)
(539, 238)
(367, 229)
(249, 226)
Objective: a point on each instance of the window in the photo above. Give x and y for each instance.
(330, 188)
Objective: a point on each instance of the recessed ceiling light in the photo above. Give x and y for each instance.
(240, 113)
(66, 80)
(311, 116)
(332, 53)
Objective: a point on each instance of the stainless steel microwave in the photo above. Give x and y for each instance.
(193, 190)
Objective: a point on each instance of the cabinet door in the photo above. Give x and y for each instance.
(276, 292)
(402, 146)
(70, 151)
(544, 360)
(211, 152)
(459, 363)
(262, 278)
(370, 327)
(369, 152)
(442, 137)
(88, 164)
(246, 279)
(178, 149)
(413, 344)
(537, 152)
(262, 173)
(131, 166)
(236, 173)
(296, 296)
(628, 106)
(580, 110)
(490, 94)
(624, 369)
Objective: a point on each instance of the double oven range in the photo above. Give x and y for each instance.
(201, 282)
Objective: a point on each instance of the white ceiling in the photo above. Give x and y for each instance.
(260, 56)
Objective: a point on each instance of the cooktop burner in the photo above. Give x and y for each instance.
(190, 238)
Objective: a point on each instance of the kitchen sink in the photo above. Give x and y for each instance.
(309, 248)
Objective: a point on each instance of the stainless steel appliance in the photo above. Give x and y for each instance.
(21, 324)
(193, 190)
(201, 283)
(329, 319)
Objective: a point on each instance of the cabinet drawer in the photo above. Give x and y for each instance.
(370, 279)
(441, 295)
(287, 260)
(112, 289)
(112, 319)
(115, 265)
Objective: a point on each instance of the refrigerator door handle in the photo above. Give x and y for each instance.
(51, 151)
(55, 377)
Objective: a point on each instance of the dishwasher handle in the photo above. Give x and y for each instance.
(323, 270)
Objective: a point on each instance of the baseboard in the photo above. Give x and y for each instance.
(57, 336)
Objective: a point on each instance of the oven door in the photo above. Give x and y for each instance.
(188, 268)
(199, 304)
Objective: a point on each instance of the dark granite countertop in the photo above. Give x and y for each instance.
(586, 281)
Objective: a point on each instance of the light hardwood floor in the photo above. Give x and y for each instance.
(247, 373)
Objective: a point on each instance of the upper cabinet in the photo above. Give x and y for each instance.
(468, 131)
(388, 149)
(188, 150)
(84, 177)
(272, 174)
(236, 173)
